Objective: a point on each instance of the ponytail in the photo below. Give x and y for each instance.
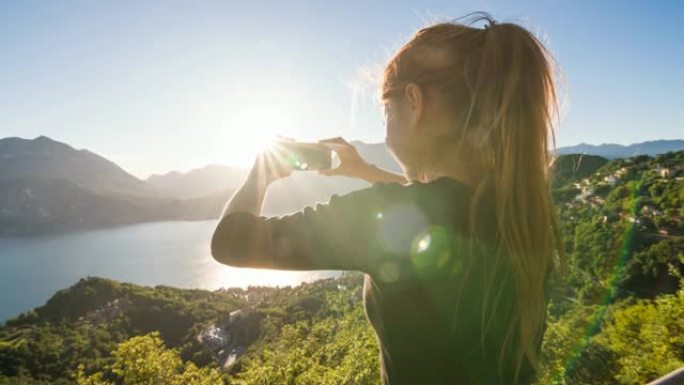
(513, 92)
(499, 85)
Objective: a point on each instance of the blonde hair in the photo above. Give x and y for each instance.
(499, 86)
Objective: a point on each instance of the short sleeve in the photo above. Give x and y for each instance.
(335, 235)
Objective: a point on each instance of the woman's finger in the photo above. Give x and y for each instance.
(338, 147)
(339, 141)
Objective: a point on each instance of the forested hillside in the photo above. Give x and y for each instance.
(616, 315)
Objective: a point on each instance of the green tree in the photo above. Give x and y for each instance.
(647, 338)
(144, 360)
(336, 348)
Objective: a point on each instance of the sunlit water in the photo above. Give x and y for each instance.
(159, 253)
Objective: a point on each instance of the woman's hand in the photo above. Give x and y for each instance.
(351, 163)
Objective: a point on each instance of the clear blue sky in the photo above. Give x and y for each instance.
(163, 85)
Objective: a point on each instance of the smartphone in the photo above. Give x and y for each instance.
(306, 156)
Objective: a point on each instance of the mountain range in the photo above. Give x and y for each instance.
(48, 186)
(612, 151)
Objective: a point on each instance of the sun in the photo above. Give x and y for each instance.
(250, 128)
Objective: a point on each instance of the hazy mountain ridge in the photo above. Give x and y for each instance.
(48, 186)
(98, 193)
(44, 157)
(198, 182)
(612, 151)
(40, 205)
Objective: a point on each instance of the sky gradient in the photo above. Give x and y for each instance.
(157, 86)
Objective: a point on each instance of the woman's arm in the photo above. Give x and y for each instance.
(337, 235)
(250, 196)
(247, 198)
(341, 234)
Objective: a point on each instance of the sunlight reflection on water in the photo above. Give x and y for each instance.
(214, 275)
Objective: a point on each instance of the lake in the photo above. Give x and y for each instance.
(159, 253)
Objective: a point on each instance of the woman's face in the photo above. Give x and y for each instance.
(395, 131)
(400, 124)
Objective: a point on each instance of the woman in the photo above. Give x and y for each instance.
(457, 251)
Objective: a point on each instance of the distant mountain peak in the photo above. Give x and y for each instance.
(41, 141)
(43, 156)
(613, 150)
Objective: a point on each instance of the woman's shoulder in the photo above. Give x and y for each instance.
(436, 186)
(440, 198)
(441, 194)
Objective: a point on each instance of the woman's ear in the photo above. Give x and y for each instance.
(414, 97)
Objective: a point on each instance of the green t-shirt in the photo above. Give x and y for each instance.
(411, 243)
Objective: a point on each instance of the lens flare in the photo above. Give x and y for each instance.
(611, 289)
(242, 130)
(401, 223)
(389, 271)
(423, 243)
(431, 251)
